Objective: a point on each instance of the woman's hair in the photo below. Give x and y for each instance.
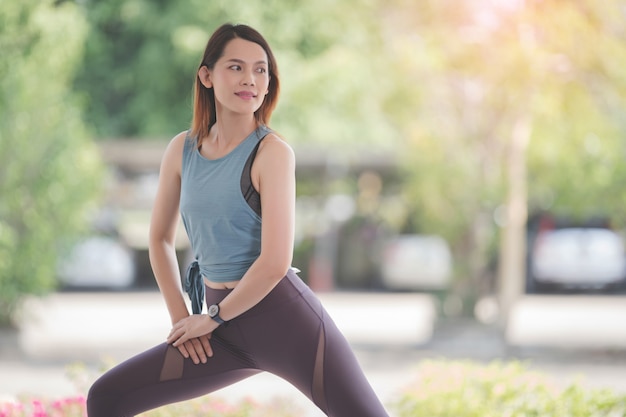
(204, 115)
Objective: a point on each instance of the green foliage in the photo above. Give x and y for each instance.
(49, 169)
(141, 59)
(441, 83)
(490, 67)
(485, 68)
(579, 116)
(466, 389)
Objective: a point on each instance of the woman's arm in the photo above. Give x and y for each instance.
(162, 250)
(273, 173)
(163, 225)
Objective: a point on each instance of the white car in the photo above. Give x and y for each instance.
(416, 262)
(97, 262)
(579, 257)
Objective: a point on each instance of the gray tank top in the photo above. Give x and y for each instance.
(223, 227)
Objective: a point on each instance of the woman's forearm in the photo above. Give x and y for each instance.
(259, 280)
(165, 267)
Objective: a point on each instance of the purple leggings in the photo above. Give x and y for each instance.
(288, 334)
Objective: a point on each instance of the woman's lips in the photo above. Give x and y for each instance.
(246, 95)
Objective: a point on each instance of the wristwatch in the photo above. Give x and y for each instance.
(214, 313)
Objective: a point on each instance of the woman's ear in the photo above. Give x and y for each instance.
(205, 77)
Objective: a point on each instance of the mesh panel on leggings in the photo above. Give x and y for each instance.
(319, 392)
(172, 365)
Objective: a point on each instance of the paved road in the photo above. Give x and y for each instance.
(70, 328)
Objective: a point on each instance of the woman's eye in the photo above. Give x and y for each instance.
(235, 67)
(261, 70)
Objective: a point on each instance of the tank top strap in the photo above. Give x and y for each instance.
(188, 149)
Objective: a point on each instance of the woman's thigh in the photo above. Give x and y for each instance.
(297, 340)
(160, 376)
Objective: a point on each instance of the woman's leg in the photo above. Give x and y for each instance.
(293, 337)
(162, 376)
(288, 334)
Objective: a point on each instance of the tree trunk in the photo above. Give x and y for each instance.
(512, 266)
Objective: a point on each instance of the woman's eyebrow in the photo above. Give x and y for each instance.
(241, 61)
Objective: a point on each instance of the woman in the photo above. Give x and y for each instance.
(261, 316)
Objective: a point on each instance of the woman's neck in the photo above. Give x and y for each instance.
(232, 128)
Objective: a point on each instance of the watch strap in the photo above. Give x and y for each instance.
(214, 313)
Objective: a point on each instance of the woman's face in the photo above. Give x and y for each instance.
(240, 78)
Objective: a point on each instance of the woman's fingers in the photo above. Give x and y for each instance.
(193, 353)
(175, 336)
(182, 336)
(206, 344)
(195, 350)
(183, 351)
(202, 356)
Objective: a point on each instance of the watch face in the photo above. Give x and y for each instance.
(213, 310)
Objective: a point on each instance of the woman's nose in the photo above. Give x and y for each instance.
(248, 79)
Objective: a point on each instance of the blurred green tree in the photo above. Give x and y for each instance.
(478, 97)
(49, 169)
(522, 107)
(141, 59)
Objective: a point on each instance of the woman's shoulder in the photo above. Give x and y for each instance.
(174, 150)
(273, 146)
(177, 143)
(181, 138)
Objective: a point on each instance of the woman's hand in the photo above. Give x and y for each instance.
(191, 336)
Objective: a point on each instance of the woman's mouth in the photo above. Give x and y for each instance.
(246, 95)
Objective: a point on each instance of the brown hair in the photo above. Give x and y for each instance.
(204, 115)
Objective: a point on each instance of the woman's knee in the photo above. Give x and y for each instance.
(102, 399)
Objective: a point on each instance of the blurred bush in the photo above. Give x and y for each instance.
(441, 389)
(466, 389)
(49, 169)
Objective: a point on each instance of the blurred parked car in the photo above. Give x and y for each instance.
(579, 258)
(416, 262)
(97, 262)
